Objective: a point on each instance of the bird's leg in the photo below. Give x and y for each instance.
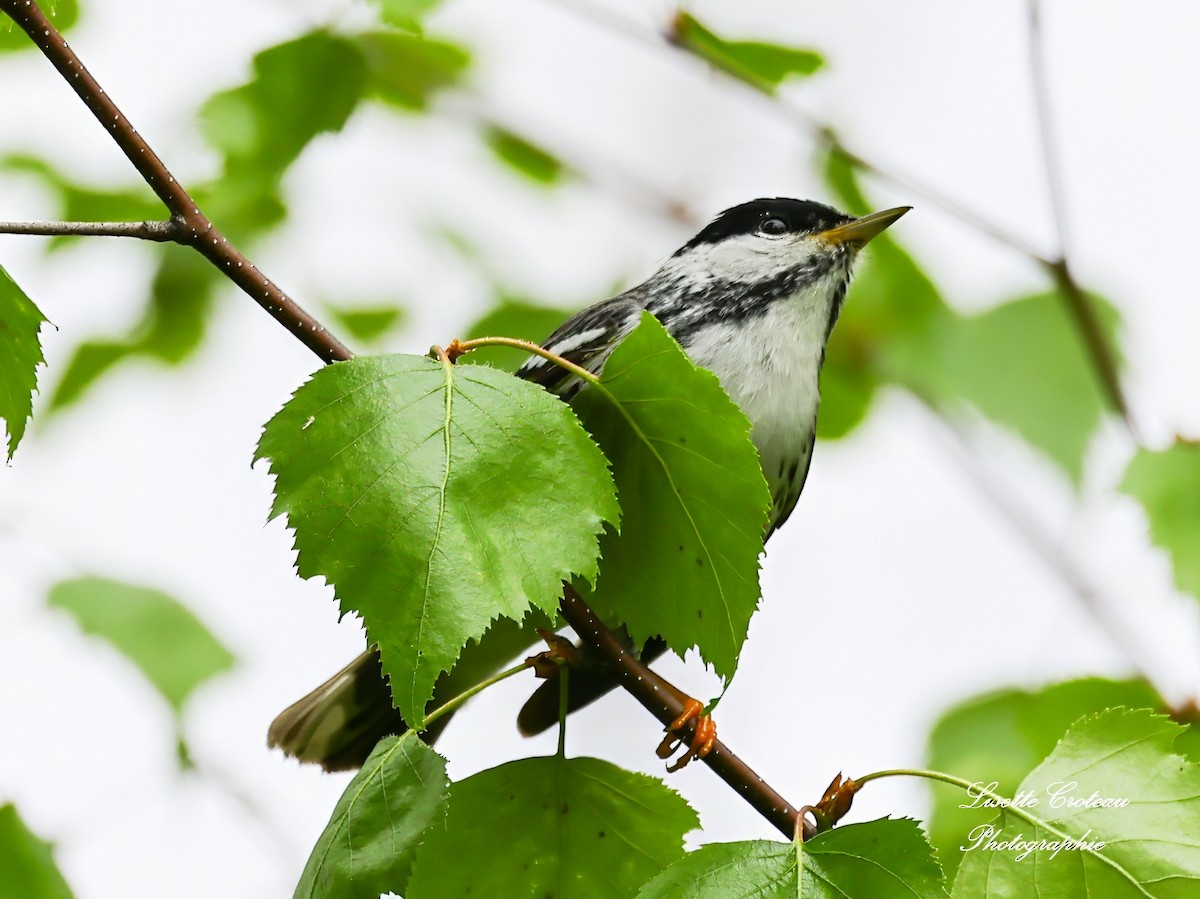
(704, 735)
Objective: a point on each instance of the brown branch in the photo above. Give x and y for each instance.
(1079, 305)
(157, 231)
(194, 228)
(665, 702)
(1103, 358)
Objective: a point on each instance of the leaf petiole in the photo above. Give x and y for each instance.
(461, 347)
(448, 707)
(972, 788)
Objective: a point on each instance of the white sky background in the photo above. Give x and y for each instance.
(894, 591)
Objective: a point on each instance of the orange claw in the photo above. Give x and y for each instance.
(703, 737)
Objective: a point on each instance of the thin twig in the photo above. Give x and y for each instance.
(1104, 360)
(666, 701)
(1079, 304)
(195, 230)
(157, 231)
(1041, 102)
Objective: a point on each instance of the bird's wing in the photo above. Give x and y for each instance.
(586, 338)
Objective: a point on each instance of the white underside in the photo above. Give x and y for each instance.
(771, 366)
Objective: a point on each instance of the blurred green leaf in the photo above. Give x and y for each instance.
(1023, 365)
(513, 318)
(890, 309)
(367, 324)
(63, 13)
(299, 89)
(855, 861)
(406, 70)
(27, 868)
(407, 14)
(368, 846)
(87, 364)
(1000, 737)
(763, 65)
(20, 355)
(568, 828)
(847, 382)
(524, 157)
(435, 498)
(1144, 847)
(694, 501)
(1167, 484)
(890, 296)
(172, 327)
(170, 645)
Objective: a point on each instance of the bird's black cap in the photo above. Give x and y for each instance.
(800, 216)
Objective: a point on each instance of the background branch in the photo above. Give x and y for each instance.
(1078, 303)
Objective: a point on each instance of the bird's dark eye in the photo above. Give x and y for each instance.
(773, 227)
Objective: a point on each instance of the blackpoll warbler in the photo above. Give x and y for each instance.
(753, 298)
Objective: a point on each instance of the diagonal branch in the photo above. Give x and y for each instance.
(1104, 359)
(665, 702)
(193, 227)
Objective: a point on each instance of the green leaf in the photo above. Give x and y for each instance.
(847, 382)
(524, 157)
(857, 861)
(63, 13)
(406, 70)
(435, 498)
(693, 499)
(407, 14)
(513, 318)
(368, 324)
(368, 846)
(173, 649)
(172, 327)
(20, 355)
(882, 333)
(27, 862)
(1023, 365)
(568, 828)
(300, 89)
(1147, 847)
(999, 738)
(763, 65)
(1167, 484)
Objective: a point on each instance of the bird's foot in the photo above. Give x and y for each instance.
(704, 735)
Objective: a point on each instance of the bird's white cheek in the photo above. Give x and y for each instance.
(748, 257)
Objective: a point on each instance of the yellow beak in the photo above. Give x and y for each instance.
(859, 231)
